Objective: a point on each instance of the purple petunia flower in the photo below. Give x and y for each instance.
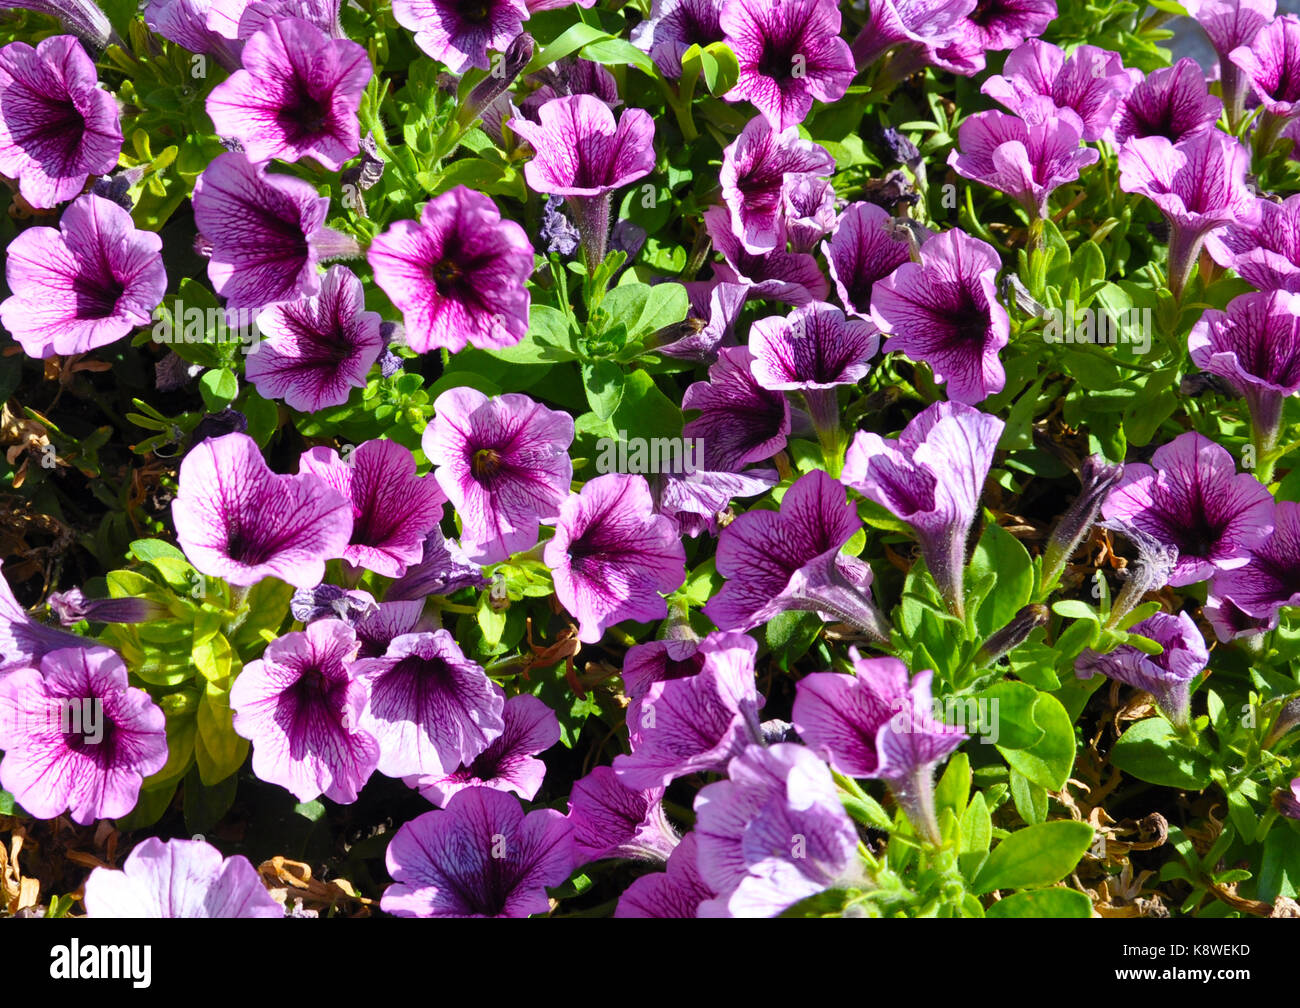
(673, 27)
(84, 18)
(754, 172)
(316, 350)
(715, 306)
(676, 892)
(179, 878)
(24, 641)
(862, 251)
(327, 601)
(584, 155)
(77, 737)
(610, 820)
(1166, 676)
(504, 465)
(1173, 102)
(790, 53)
(185, 22)
(931, 477)
(507, 763)
(1287, 804)
(458, 276)
(572, 76)
(478, 857)
(695, 723)
(58, 125)
(431, 708)
(927, 23)
(390, 620)
(790, 560)
(242, 19)
(813, 350)
(1027, 162)
(1270, 66)
(444, 569)
(1270, 577)
(992, 26)
(879, 724)
(808, 202)
(740, 421)
(791, 277)
(1264, 250)
(944, 311)
(1038, 78)
(775, 832)
(237, 520)
(393, 509)
(86, 284)
(1199, 186)
(658, 661)
(301, 707)
(1230, 24)
(267, 233)
(1193, 497)
(695, 500)
(460, 34)
(1255, 345)
(297, 96)
(1230, 622)
(612, 557)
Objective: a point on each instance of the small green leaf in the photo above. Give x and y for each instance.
(604, 381)
(1151, 750)
(1035, 856)
(218, 389)
(1048, 761)
(1055, 902)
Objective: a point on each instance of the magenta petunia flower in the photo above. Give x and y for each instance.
(925, 23)
(1270, 577)
(1199, 186)
(676, 892)
(944, 311)
(658, 661)
(460, 34)
(716, 305)
(696, 500)
(390, 620)
(776, 561)
(185, 22)
(458, 275)
(790, 53)
(242, 19)
(1288, 803)
(478, 857)
(1255, 345)
(1271, 67)
(84, 18)
(23, 640)
(1027, 162)
(179, 878)
(879, 724)
(1193, 497)
(754, 172)
(301, 707)
(76, 737)
(584, 155)
(1038, 78)
(695, 723)
(612, 557)
(237, 520)
(774, 833)
(504, 465)
(267, 233)
(610, 820)
(992, 26)
(740, 421)
(790, 277)
(931, 477)
(444, 569)
(1173, 102)
(85, 285)
(297, 96)
(1230, 24)
(1264, 250)
(673, 27)
(580, 76)
(316, 350)
(431, 708)
(1166, 676)
(862, 251)
(58, 125)
(393, 509)
(507, 763)
(808, 202)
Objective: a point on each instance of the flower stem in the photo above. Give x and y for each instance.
(915, 796)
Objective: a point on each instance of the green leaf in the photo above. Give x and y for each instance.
(645, 309)
(218, 751)
(603, 380)
(1074, 609)
(616, 52)
(218, 389)
(1048, 761)
(1035, 856)
(1008, 715)
(976, 835)
(1151, 750)
(1030, 799)
(722, 69)
(1055, 902)
(6, 802)
(490, 621)
(954, 786)
(645, 412)
(572, 39)
(1001, 554)
(549, 340)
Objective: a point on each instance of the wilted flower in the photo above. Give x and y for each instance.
(327, 601)
(612, 556)
(1166, 676)
(84, 18)
(237, 520)
(504, 465)
(459, 275)
(72, 606)
(179, 878)
(1096, 477)
(76, 737)
(444, 569)
(84, 285)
